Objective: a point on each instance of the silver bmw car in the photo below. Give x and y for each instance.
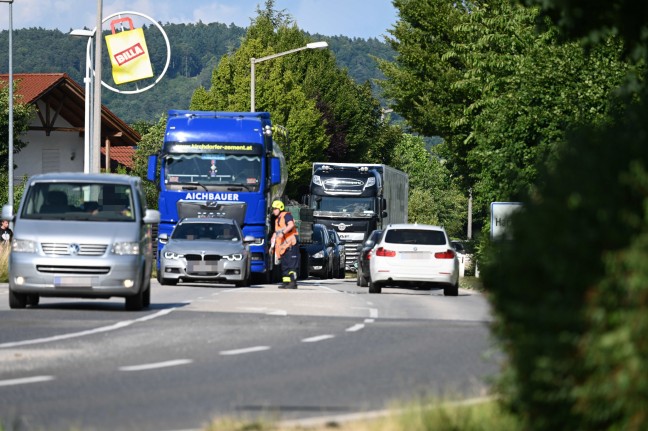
(205, 249)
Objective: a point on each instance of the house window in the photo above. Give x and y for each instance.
(51, 160)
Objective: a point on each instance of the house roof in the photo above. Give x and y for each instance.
(122, 155)
(61, 95)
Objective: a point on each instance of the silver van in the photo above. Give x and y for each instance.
(81, 235)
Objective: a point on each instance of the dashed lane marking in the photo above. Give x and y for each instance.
(153, 366)
(26, 380)
(244, 351)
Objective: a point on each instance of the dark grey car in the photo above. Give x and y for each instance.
(362, 276)
(339, 254)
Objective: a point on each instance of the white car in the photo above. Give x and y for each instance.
(414, 255)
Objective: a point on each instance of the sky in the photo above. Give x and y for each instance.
(352, 18)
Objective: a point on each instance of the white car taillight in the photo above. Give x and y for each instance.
(448, 254)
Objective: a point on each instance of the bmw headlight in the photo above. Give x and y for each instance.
(23, 246)
(171, 255)
(234, 257)
(125, 248)
(319, 254)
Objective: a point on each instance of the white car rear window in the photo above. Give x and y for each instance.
(415, 236)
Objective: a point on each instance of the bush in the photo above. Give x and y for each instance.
(570, 292)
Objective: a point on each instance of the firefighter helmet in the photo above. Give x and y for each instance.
(278, 204)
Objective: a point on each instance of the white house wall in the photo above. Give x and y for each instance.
(58, 152)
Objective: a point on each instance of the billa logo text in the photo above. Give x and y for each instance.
(129, 54)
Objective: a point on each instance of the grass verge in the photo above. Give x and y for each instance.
(482, 416)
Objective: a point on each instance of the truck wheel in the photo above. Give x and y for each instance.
(17, 300)
(374, 287)
(451, 289)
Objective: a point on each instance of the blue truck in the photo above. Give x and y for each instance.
(220, 164)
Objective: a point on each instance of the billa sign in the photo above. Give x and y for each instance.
(128, 53)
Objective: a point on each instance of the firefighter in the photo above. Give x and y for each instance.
(284, 242)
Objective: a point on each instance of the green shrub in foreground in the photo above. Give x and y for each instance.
(570, 293)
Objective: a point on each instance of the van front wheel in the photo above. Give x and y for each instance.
(17, 300)
(135, 302)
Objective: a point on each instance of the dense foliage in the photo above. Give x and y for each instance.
(500, 94)
(529, 112)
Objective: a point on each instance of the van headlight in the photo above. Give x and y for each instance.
(23, 246)
(319, 254)
(234, 257)
(125, 248)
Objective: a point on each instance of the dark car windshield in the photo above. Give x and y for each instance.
(415, 236)
(209, 231)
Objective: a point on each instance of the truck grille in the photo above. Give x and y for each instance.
(64, 249)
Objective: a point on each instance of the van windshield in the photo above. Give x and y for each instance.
(79, 201)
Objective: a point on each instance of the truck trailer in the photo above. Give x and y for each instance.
(357, 198)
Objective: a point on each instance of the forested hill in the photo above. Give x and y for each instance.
(195, 50)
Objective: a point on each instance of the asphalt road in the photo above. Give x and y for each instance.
(203, 351)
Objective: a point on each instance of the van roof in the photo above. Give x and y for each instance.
(83, 177)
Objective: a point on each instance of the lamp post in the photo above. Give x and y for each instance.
(96, 96)
(87, 126)
(254, 61)
(10, 82)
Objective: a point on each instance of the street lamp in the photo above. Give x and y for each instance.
(96, 96)
(87, 128)
(11, 120)
(254, 61)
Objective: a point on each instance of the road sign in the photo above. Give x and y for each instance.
(500, 218)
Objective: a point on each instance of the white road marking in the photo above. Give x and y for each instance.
(355, 327)
(278, 313)
(156, 365)
(317, 338)
(246, 350)
(26, 380)
(328, 288)
(99, 330)
(369, 320)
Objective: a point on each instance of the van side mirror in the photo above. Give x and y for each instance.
(7, 212)
(151, 217)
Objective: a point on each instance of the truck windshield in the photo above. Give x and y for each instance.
(346, 204)
(213, 170)
(79, 201)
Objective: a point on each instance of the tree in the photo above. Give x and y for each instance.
(434, 197)
(500, 94)
(22, 115)
(151, 143)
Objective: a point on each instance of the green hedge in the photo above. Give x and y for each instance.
(570, 292)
